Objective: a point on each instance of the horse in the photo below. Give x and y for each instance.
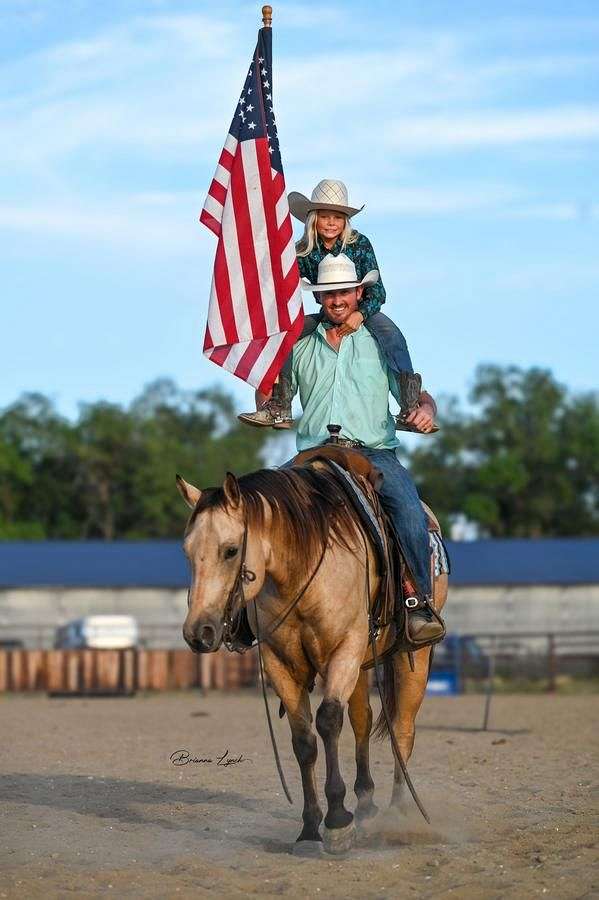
(305, 565)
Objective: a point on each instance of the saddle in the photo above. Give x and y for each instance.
(359, 481)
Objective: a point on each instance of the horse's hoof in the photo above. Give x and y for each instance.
(362, 815)
(339, 840)
(308, 849)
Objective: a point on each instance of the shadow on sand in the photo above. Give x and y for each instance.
(123, 800)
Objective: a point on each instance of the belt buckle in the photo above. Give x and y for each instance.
(411, 602)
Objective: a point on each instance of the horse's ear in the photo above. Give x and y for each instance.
(231, 489)
(190, 494)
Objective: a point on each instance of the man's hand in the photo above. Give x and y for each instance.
(351, 324)
(423, 417)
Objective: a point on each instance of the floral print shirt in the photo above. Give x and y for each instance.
(362, 256)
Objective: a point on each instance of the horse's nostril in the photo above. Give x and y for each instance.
(207, 635)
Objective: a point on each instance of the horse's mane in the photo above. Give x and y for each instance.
(307, 507)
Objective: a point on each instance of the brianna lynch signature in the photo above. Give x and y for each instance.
(184, 758)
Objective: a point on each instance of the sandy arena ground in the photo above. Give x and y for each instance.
(93, 806)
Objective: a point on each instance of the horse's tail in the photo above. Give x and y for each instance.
(389, 698)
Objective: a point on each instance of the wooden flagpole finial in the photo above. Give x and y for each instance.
(267, 16)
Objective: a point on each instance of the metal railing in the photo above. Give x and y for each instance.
(537, 659)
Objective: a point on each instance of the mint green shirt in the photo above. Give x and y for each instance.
(349, 387)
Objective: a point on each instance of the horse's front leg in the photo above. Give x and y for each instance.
(341, 677)
(296, 700)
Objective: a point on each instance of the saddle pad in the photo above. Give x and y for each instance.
(363, 501)
(439, 554)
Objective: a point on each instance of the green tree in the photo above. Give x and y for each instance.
(195, 433)
(524, 462)
(38, 496)
(111, 474)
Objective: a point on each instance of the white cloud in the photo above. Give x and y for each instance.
(165, 228)
(559, 212)
(157, 90)
(435, 133)
(465, 198)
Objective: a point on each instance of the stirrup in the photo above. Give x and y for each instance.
(421, 608)
(417, 607)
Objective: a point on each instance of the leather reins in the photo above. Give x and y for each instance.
(231, 623)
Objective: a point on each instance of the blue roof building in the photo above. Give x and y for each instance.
(566, 561)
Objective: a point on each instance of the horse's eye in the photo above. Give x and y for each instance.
(230, 552)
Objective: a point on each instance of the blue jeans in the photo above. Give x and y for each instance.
(402, 504)
(391, 342)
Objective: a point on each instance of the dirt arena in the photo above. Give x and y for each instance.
(92, 804)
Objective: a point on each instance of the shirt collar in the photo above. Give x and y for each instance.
(335, 249)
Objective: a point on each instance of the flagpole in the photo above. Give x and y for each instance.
(267, 23)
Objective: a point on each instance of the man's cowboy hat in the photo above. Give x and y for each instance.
(327, 194)
(335, 273)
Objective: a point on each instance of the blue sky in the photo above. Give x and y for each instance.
(471, 135)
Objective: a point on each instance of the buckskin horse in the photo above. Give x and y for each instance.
(283, 543)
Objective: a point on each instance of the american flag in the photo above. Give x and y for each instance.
(255, 313)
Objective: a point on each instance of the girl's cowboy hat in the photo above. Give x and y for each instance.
(326, 195)
(335, 273)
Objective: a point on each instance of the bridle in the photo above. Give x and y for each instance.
(236, 599)
(236, 602)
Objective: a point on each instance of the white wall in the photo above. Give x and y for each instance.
(31, 615)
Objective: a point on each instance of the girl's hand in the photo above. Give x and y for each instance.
(351, 324)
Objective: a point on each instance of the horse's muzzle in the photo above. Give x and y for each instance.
(203, 637)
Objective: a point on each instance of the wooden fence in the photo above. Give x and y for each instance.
(123, 671)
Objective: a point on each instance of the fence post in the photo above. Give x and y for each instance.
(551, 664)
(490, 683)
(457, 664)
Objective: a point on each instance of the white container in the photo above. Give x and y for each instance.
(102, 632)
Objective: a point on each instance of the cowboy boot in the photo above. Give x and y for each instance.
(423, 626)
(410, 387)
(274, 413)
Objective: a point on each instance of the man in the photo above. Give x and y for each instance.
(343, 379)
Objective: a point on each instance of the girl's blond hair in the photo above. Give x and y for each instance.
(308, 240)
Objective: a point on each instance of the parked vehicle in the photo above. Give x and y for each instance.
(104, 632)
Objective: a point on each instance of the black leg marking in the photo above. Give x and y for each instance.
(329, 720)
(306, 751)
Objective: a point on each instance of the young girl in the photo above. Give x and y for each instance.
(327, 229)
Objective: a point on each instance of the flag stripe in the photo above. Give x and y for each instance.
(222, 310)
(259, 214)
(268, 188)
(210, 222)
(214, 208)
(251, 281)
(218, 192)
(232, 262)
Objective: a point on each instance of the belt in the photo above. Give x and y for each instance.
(343, 442)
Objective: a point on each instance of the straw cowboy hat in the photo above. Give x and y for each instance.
(327, 194)
(338, 272)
